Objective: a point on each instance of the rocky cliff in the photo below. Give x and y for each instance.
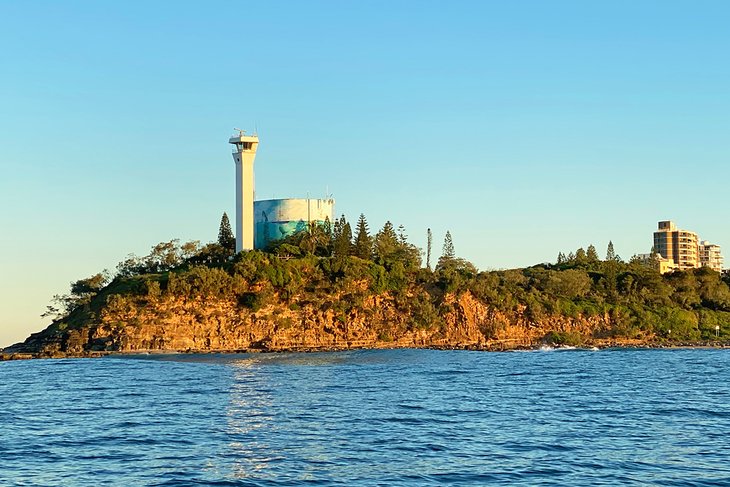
(268, 302)
(214, 324)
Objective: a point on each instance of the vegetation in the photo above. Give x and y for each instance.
(311, 267)
(429, 242)
(363, 242)
(225, 235)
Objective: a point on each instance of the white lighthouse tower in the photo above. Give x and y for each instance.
(244, 153)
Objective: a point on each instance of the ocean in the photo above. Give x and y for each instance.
(370, 417)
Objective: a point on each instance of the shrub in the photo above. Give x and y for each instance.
(568, 338)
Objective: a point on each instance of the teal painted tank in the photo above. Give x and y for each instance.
(278, 219)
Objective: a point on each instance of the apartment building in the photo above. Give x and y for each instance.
(681, 246)
(710, 256)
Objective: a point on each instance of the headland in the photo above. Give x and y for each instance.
(317, 291)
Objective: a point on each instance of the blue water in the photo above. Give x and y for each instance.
(393, 417)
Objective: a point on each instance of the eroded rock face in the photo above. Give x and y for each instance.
(214, 324)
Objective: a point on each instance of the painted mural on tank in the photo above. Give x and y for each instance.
(278, 219)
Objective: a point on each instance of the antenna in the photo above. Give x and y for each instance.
(240, 132)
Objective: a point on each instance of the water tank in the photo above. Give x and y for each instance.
(278, 219)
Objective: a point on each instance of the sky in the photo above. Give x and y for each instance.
(525, 128)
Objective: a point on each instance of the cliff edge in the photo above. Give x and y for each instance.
(261, 301)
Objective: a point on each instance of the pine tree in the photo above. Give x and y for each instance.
(449, 263)
(591, 254)
(448, 250)
(225, 235)
(346, 239)
(341, 238)
(654, 258)
(363, 242)
(610, 253)
(429, 241)
(402, 236)
(561, 258)
(336, 230)
(327, 227)
(386, 243)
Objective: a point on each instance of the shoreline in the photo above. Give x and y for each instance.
(714, 345)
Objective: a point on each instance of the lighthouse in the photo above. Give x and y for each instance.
(244, 153)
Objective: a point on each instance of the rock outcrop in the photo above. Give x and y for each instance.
(217, 324)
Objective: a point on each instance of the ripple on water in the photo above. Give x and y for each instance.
(388, 417)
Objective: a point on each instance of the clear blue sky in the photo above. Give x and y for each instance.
(526, 127)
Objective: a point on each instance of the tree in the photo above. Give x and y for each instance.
(591, 254)
(166, 256)
(448, 255)
(363, 243)
(163, 257)
(408, 254)
(341, 238)
(580, 257)
(448, 249)
(327, 227)
(654, 258)
(344, 246)
(386, 243)
(82, 292)
(225, 235)
(402, 236)
(610, 253)
(336, 231)
(429, 241)
(315, 241)
(454, 272)
(210, 254)
(571, 283)
(714, 292)
(610, 275)
(83, 289)
(561, 258)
